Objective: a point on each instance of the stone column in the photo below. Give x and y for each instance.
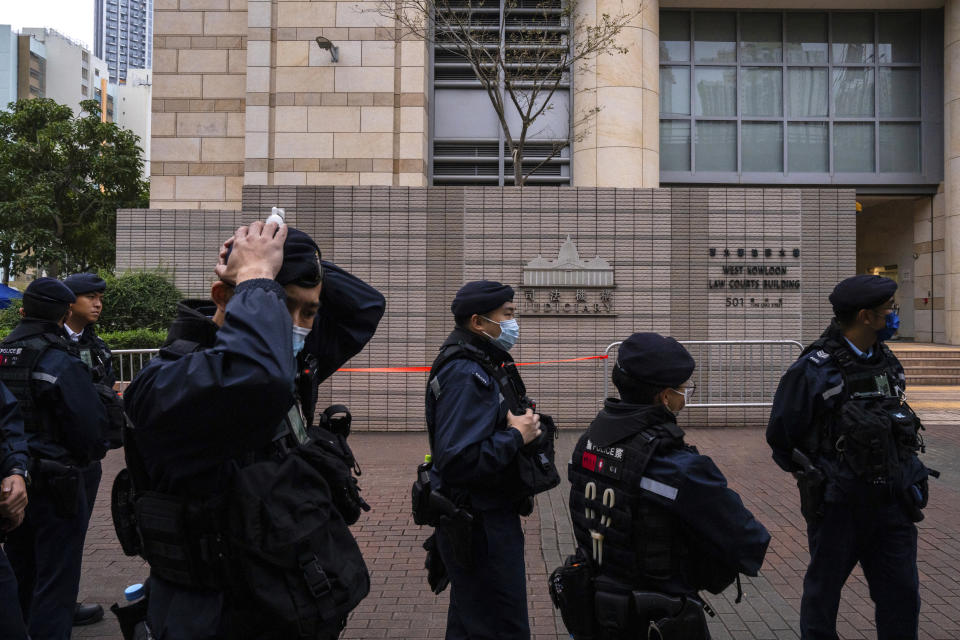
(619, 146)
(951, 169)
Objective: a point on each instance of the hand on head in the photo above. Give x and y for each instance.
(255, 251)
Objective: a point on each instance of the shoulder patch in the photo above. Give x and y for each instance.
(482, 378)
(818, 357)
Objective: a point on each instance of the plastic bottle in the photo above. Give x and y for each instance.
(277, 215)
(134, 592)
(423, 471)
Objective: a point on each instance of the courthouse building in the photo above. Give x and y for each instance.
(745, 156)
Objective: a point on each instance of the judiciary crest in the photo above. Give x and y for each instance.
(568, 285)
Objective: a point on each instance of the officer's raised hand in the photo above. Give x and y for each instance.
(528, 425)
(257, 252)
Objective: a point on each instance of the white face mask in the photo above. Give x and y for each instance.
(299, 339)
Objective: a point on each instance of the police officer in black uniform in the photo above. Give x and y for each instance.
(840, 424)
(13, 503)
(207, 441)
(94, 352)
(652, 516)
(477, 439)
(65, 424)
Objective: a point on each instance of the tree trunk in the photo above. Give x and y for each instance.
(518, 166)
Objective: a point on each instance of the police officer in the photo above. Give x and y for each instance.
(94, 352)
(206, 415)
(13, 503)
(477, 438)
(840, 424)
(653, 516)
(65, 425)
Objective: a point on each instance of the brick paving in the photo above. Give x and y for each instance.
(400, 604)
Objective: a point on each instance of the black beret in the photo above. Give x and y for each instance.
(301, 260)
(85, 283)
(480, 296)
(861, 292)
(49, 290)
(653, 359)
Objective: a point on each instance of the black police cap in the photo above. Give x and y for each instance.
(861, 292)
(81, 283)
(480, 296)
(656, 360)
(301, 260)
(49, 290)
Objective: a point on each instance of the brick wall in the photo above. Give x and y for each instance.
(199, 64)
(419, 245)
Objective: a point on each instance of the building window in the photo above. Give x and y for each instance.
(764, 96)
(468, 142)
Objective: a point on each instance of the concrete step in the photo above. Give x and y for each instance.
(932, 379)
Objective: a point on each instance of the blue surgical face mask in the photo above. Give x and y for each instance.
(299, 339)
(893, 323)
(509, 333)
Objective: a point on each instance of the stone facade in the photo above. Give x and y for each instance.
(668, 249)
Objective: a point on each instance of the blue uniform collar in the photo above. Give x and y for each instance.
(860, 354)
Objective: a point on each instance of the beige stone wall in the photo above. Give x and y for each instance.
(620, 145)
(418, 246)
(951, 170)
(199, 64)
(310, 121)
(929, 225)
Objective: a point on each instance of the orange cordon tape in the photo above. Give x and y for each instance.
(426, 369)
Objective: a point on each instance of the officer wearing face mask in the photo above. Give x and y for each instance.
(841, 425)
(237, 498)
(652, 517)
(491, 453)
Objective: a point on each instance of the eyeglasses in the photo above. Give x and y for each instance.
(687, 391)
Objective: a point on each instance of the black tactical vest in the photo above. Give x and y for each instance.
(641, 545)
(874, 432)
(18, 363)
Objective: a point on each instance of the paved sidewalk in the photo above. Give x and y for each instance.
(401, 605)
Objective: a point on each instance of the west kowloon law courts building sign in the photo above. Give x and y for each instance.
(589, 267)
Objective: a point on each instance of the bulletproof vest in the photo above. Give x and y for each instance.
(873, 432)
(533, 470)
(96, 360)
(641, 544)
(18, 363)
(277, 538)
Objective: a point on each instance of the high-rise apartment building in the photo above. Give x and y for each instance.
(123, 35)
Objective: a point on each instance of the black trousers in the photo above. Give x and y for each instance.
(489, 599)
(45, 553)
(11, 620)
(884, 541)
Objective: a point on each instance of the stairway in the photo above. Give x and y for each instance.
(928, 364)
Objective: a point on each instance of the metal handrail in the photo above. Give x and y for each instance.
(127, 355)
(709, 368)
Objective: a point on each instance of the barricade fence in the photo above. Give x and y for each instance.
(729, 373)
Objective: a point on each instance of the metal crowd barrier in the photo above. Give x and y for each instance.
(128, 362)
(731, 373)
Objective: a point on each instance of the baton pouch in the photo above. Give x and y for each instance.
(572, 592)
(124, 513)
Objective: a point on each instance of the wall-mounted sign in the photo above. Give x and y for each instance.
(567, 286)
(749, 276)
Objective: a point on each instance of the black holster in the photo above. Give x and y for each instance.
(133, 617)
(572, 592)
(671, 617)
(812, 486)
(61, 482)
(436, 570)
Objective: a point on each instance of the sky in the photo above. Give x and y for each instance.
(73, 18)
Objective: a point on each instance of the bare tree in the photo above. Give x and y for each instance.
(521, 56)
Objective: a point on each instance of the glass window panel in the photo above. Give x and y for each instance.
(899, 37)
(807, 38)
(807, 93)
(853, 147)
(899, 92)
(852, 92)
(716, 146)
(675, 90)
(807, 150)
(715, 93)
(852, 38)
(761, 91)
(674, 36)
(761, 37)
(761, 146)
(716, 35)
(675, 145)
(899, 148)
